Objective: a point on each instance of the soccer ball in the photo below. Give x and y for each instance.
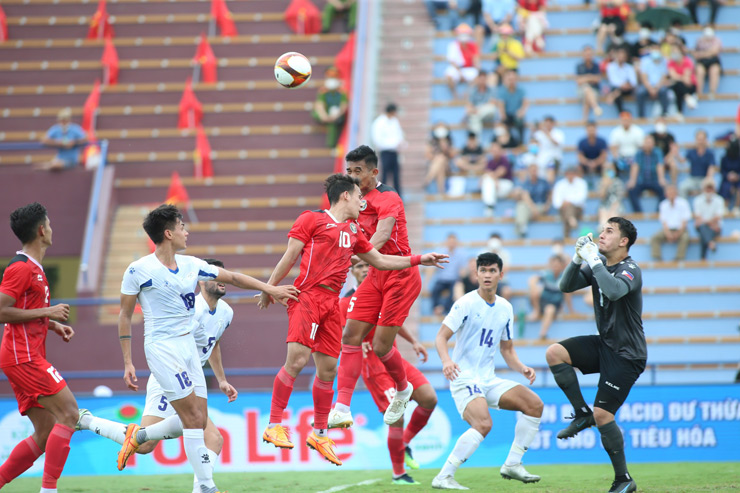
(292, 70)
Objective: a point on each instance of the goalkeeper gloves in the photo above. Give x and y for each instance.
(590, 253)
(577, 259)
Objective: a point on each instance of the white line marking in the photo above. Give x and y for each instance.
(367, 482)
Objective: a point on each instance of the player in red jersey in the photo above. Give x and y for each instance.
(382, 387)
(326, 240)
(40, 390)
(384, 299)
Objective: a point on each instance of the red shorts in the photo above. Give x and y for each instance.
(380, 384)
(385, 297)
(31, 380)
(315, 321)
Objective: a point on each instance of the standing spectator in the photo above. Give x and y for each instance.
(533, 21)
(508, 51)
(708, 47)
(497, 181)
(614, 14)
(622, 80)
(334, 7)
(611, 193)
(463, 56)
(653, 82)
(646, 173)
(588, 78)
(713, 6)
(472, 159)
(730, 170)
(550, 142)
(330, 107)
(643, 45)
(439, 154)
(445, 279)
(569, 197)
(545, 295)
(481, 106)
(513, 105)
(388, 138)
(592, 152)
(625, 140)
(702, 166)
(68, 138)
(496, 13)
(666, 142)
(682, 79)
(674, 213)
(709, 208)
(532, 200)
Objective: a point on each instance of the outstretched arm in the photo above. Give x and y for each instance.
(282, 268)
(394, 262)
(280, 293)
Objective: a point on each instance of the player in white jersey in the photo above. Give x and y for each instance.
(164, 285)
(483, 323)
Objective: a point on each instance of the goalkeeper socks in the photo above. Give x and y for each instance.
(323, 394)
(19, 461)
(57, 450)
(350, 367)
(397, 450)
(199, 458)
(282, 387)
(565, 377)
(418, 420)
(524, 432)
(105, 428)
(170, 427)
(613, 442)
(464, 448)
(393, 362)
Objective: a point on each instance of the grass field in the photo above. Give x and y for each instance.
(674, 477)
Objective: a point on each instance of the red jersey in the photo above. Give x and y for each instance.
(24, 280)
(378, 204)
(328, 248)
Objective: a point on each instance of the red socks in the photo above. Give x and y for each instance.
(350, 367)
(323, 394)
(19, 461)
(418, 420)
(57, 450)
(281, 390)
(397, 449)
(393, 362)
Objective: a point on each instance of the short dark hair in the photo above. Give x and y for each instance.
(365, 154)
(487, 258)
(160, 219)
(213, 261)
(337, 184)
(391, 108)
(549, 118)
(25, 221)
(626, 229)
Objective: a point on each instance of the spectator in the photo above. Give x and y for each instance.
(468, 280)
(682, 79)
(330, 107)
(614, 14)
(737, 122)
(513, 104)
(504, 137)
(481, 106)
(653, 82)
(348, 8)
(702, 166)
(497, 180)
(624, 141)
(676, 31)
(445, 279)
(463, 56)
(708, 211)
(713, 6)
(674, 213)
(439, 154)
(533, 21)
(708, 47)
(441, 11)
(68, 138)
(472, 159)
(550, 142)
(622, 80)
(611, 193)
(644, 44)
(646, 173)
(545, 295)
(569, 197)
(730, 170)
(592, 152)
(508, 51)
(588, 77)
(388, 138)
(532, 200)
(666, 142)
(496, 245)
(496, 13)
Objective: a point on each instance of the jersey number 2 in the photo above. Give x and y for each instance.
(486, 337)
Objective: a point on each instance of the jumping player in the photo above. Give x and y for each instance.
(40, 390)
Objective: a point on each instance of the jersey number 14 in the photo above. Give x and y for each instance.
(486, 337)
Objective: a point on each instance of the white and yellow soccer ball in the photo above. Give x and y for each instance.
(292, 70)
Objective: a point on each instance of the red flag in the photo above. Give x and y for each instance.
(110, 63)
(88, 111)
(191, 111)
(303, 17)
(344, 61)
(207, 60)
(176, 194)
(220, 12)
(202, 155)
(100, 27)
(3, 25)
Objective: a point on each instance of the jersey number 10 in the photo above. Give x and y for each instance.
(344, 241)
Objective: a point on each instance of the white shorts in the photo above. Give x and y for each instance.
(465, 389)
(156, 402)
(175, 364)
(468, 73)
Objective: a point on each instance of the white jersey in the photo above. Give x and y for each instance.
(479, 328)
(167, 297)
(211, 325)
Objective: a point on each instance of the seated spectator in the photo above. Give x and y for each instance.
(508, 52)
(624, 141)
(331, 106)
(682, 79)
(730, 170)
(481, 106)
(504, 138)
(644, 44)
(439, 154)
(443, 280)
(68, 138)
(545, 295)
(440, 11)
(468, 280)
(569, 197)
(496, 13)
(708, 47)
(666, 142)
(674, 213)
(622, 80)
(709, 208)
(513, 104)
(592, 152)
(348, 8)
(611, 194)
(617, 43)
(550, 142)
(669, 42)
(496, 245)
(532, 200)
(653, 82)
(614, 15)
(533, 22)
(701, 166)
(713, 8)
(676, 30)
(463, 56)
(588, 78)
(647, 173)
(497, 180)
(472, 159)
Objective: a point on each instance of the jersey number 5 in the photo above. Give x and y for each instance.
(344, 241)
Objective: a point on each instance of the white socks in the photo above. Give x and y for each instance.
(199, 457)
(464, 448)
(525, 431)
(214, 457)
(170, 427)
(105, 428)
